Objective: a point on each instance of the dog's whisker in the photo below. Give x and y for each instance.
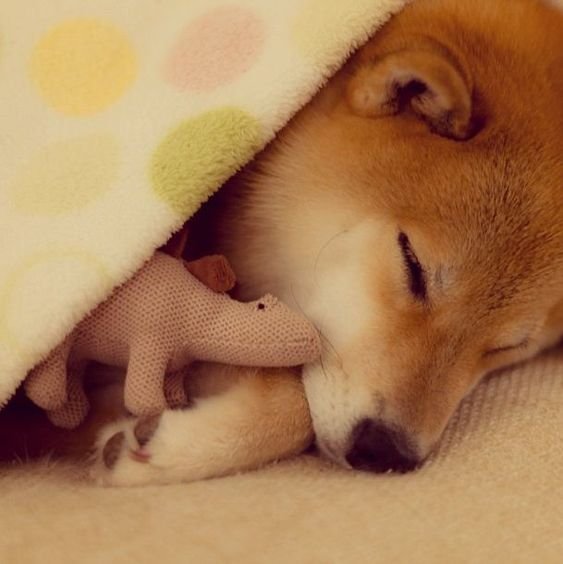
(323, 368)
(322, 250)
(324, 338)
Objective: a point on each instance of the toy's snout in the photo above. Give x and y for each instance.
(287, 330)
(267, 303)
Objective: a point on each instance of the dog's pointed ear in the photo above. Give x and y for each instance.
(428, 81)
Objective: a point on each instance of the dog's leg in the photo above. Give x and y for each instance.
(261, 417)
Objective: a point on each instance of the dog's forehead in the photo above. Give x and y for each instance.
(500, 196)
(495, 220)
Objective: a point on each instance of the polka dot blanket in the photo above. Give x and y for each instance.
(119, 119)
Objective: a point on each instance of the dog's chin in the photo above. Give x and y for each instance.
(331, 452)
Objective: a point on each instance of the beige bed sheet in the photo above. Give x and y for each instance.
(492, 494)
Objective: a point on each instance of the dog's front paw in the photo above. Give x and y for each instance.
(123, 455)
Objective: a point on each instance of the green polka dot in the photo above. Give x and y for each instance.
(196, 157)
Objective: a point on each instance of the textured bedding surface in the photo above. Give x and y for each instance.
(493, 493)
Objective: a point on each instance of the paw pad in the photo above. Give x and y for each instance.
(112, 449)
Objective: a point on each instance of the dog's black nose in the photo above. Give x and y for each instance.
(379, 448)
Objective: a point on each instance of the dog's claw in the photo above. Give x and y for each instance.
(145, 429)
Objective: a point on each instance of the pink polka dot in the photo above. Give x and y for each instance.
(215, 49)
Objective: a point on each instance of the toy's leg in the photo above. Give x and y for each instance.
(144, 381)
(174, 389)
(73, 412)
(262, 417)
(46, 384)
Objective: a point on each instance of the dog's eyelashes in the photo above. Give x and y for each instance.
(416, 274)
(508, 348)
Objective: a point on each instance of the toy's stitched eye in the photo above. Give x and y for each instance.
(261, 306)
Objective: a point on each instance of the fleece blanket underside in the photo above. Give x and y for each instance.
(119, 119)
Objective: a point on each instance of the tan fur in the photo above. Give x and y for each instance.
(470, 169)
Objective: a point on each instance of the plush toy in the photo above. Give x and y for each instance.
(158, 323)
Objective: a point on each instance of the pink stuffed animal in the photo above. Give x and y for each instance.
(158, 323)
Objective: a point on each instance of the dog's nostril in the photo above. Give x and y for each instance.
(379, 448)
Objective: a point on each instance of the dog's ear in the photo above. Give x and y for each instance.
(426, 80)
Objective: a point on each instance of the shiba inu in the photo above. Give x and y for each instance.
(414, 212)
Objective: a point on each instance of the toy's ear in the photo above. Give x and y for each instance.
(214, 271)
(427, 80)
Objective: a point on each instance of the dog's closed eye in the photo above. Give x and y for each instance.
(507, 348)
(416, 274)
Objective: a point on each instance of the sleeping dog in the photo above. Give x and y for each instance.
(414, 212)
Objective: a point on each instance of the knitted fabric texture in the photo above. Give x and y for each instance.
(157, 324)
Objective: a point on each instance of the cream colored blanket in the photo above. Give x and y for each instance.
(120, 118)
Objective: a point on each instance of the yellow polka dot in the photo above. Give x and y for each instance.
(82, 66)
(320, 21)
(200, 154)
(66, 176)
(32, 304)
